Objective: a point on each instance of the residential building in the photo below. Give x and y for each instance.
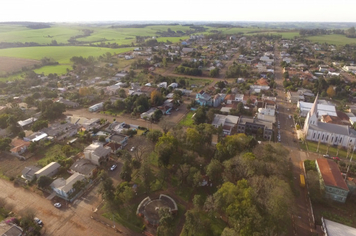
(60, 131)
(67, 103)
(10, 230)
(204, 99)
(349, 68)
(118, 138)
(331, 228)
(96, 153)
(25, 124)
(331, 180)
(148, 114)
(323, 68)
(28, 172)
(64, 187)
(258, 88)
(96, 107)
(333, 134)
(115, 147)
(228, 123)
(49, 170)
(19, 146)
(250, 125)
(83, 166)
(35, 137)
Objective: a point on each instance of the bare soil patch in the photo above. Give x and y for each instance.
(11, 166)
(11, 64)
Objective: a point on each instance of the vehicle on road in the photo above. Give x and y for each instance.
(326, 156)
(57, 204)
(113, 167)
(132, 149)
(302, 181)
(38, 221)
(336, 158)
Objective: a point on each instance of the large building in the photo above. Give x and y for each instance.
(228, 123)
(331, 180)
(255, 126)
(323, 109)
(331, 228)
(332, 134)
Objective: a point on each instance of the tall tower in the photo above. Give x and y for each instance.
(312, 116)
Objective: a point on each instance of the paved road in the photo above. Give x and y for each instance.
(302, 219)
(70, 220)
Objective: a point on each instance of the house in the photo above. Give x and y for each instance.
(28, 172)
(331, 120)
(64, 187)
(262, 82)
(258, 88)
(148, 114)
(49, 170)
(349, 69)
(203, 99)
(60, 131)
(173, 85)
(240, 80)
(67, 103)
(25, 124)
(118, 138)
(19, 146)
(187, 50)
(35, 137)
(331, 180)
(249, 125)
(83, 166)
(96, 107)
(228, 123)
(331, 228)
(96, 153)
(323, 68)
(115, 147)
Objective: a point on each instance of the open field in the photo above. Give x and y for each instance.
(14, 64)
(60, 54)
(59, 69)
(336, 39)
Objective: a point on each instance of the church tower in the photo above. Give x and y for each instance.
(312, 116)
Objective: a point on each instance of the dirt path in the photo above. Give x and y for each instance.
(69, 220)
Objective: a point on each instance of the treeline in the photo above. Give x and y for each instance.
(236, 70)
(188, 71)
(38, 26)
(86, 33)
(350, 33)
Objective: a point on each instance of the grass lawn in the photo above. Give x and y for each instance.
(344, 213)
(60, 54)
(54, 153)
(59, 69)
(336, 39)
(187, 120)
(216, 225)
(313, 146)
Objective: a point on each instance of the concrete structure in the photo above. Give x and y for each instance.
(228, 123)
(96, 153)
(60, 131)
(331, 180)
(64, 188)
(28, 172)
(27, 123)
(35, 137)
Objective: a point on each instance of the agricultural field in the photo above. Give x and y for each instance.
(60, 54)
(58, 69)
(336, 39)
(15, 64)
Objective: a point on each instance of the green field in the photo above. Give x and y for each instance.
(188, 120)
(60, 54)
(336, 39)
(59, 69)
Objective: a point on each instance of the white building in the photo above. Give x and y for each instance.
(96, 153)
(96, 107)
(315, 130)
(148, 114)
(228, 123)
(323, 109)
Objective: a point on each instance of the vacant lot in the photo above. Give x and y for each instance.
(60, 54)
(10, 64)
(11, 166)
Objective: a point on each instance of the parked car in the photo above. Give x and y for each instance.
(326, 156)
(132, 149)
(336, 158)
(113, 167)
(38, 221)
(58, 205)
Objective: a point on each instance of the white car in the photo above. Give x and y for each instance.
(113, 167)
(38, 221)
(58, 205)
(132, 149)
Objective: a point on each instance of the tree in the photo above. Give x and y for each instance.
(107, 187)
(200, 116)
(126, 172)
(198, 201)
(44, 181)
(330, 91)
(166, 125)
(164, 62)
(154, 135)
(214, 170)
(122, 93)
(157, 114)
(214, 73)
(156, 98)
(39, 124)
(165, 222)
(5, 144)
(21, 135)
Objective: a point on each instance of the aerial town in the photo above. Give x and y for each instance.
(212, 134)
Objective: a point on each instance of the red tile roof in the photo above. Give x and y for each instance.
(331, 173)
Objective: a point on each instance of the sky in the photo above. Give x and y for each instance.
(178, 10)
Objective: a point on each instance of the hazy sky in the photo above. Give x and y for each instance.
(179, 10)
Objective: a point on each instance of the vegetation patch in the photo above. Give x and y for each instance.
(188, 119)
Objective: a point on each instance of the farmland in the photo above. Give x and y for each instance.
(14, 64)
(60, 54)
(336, 39)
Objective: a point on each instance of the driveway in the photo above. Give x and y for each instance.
(70, 220)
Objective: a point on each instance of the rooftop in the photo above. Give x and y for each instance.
(67, 185)
(83, 166)
(331, 174)
(332, 228)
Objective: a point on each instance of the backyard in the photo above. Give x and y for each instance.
(188, 120)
